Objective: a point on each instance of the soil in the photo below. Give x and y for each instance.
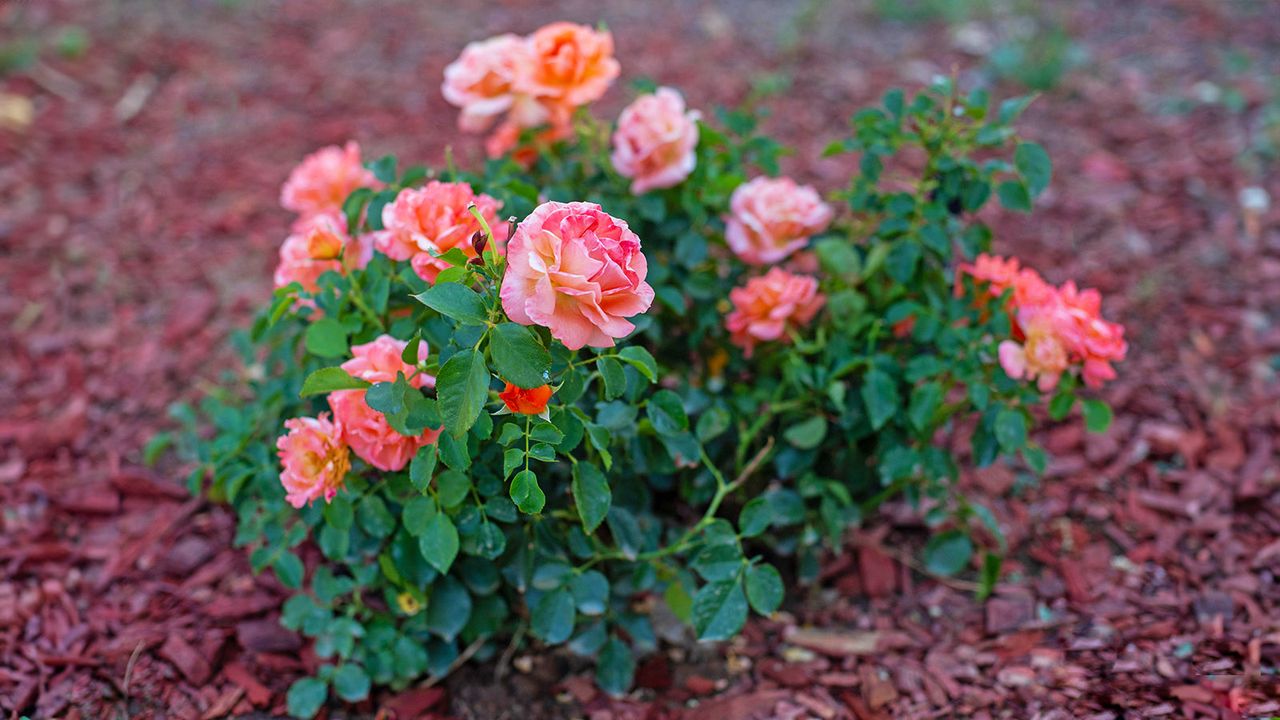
(139, 224)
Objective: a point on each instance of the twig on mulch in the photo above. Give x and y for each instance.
(458, 662)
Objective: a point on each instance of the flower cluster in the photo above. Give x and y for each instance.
(1055, 328)
(538, 81)
(316, 190)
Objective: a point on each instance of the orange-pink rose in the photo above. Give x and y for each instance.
(537, 81)
(366, 430)
(320, 245)
(480, 81)
(1054, 328)
(422, 223)
(655, 142)
(770, 218)
(569, 65)
(576, 270)
(324, 179)
(768, 307)
(1043, 355)
(315, 460)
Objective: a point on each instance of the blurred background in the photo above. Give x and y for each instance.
(143, 144)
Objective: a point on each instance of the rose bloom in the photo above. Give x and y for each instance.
(434, 218)
(998, 273)
(320, 245)
(365, 429)
(573, 268)
(1042, 356)
(766, 307)
(315, 460)
(655, 141)
(526, 401)
(324, 179)
(770, 218)
(480, 80)
(1095, 341)
(569, 65)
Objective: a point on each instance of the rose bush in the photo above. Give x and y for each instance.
(532, 404)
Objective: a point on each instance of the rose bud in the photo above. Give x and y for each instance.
(526, 401)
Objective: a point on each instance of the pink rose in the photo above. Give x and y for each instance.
(772, 218)
(365, 429)
(324, 179)
(767, 307)
(315, 460)
(655, 141)
(435, 219)
(319, 245)
(479, 81)
(573, 268)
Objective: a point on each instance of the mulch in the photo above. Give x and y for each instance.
(138, 226)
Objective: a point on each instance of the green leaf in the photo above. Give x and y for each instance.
(306, 697)
(422, 467)
(807, 434)
(518, 357)
(456, 301)
(552, 616)
(1097, 415)
(452, 488)
(417, 513)
(384, 168)
(462, 389)
(1014, 196)
(948, 553)
(615, 667)
(713, 422)
(880, 394)
(990, 575)
(289, 569)
(1061, 404)
(719, 610)
(449, 608)
(526, 493)
(454, 452)
(326, 380)
(756, 516)
(764, 588)
(925, 400)
(626, 531)
(640, 359)
(718, 562)
(1011, 429)
(615, 380)
(338, 513)
(351, 683)
(1034, 165)
(591, 494)
(374, 517)
(590, 592)
(666, 411)
(439, 542)
(327, 338)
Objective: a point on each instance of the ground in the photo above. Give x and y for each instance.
(141, 155)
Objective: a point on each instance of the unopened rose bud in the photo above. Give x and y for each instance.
(478, 241)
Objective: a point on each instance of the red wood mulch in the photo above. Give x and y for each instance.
(138, 225)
